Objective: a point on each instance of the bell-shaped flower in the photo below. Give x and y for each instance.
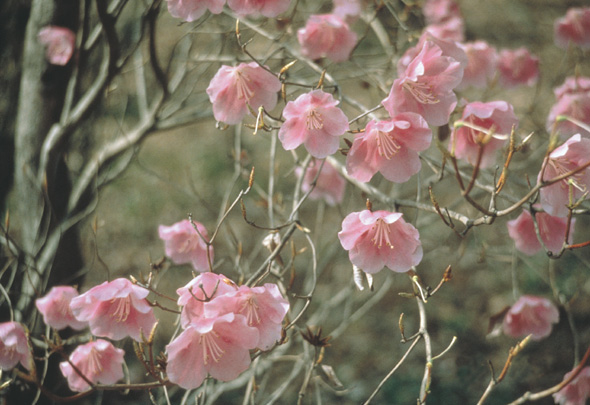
(574, 153)
(390, 147)
(268, 8)
(233, 89)
(437, 11)
(577, 391)
(216, 346)
(426, 87)
(99, 361)
(313, 120)
(326, 35)
(190, 10)
(570, 105)
(329, 185)
(14, 346)
(481, 64)
(183, 244)
(497, 117)
(380, 239)
(517, 67)
(59, 42)
(551, 229)
(55, 308)
(573, 28)
(530, 315)
(115, 309)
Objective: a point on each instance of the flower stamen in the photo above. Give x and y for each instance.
(386, 145)
(244, 91)
(381, 235)
(122, 310)
(422, 92)
(314, 120)
(211, 348)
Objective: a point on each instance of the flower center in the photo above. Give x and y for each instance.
(211, 349)
(563, 166)
(314, 120)
(244, 91)
(381, 234)
(386, 145)
(122, 308)
(422, 92)
(94, 363)
(250, 308)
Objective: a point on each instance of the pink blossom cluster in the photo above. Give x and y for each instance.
(573, 101)
(327, 35)
(573, 28)
(222, 323)
(577, 391)
(183, 244)
(60, 43)
(190, 10)
(530, 315)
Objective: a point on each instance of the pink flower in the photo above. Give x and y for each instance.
(55, 308)
(390, 147)
(326, 35)
(575, 152)
(451, 30)
(348, 10)
(268, 8)
(378, 239)
(495, 116)
(60, 43)
(329, 185)
(263, 307)
(218, 346)
(577, 391)
(313, 120)
(115, 309)
(481, 65)
(190, 10)
(99, 361)
(14, 346)
(573, 28)
(551, 229)
(573, 85)
(437, 11)
(517, 67)
(233, 89)
(184, 245)
(530, 315)
(426, 87)
(199, 290)
(572, 105)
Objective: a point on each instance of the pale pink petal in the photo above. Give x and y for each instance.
(573, 28)
(190, 10)
(530, 315)
(60, 43)
(55, 308)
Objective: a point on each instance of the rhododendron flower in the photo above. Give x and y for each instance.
(115, 309)
(573, 85)
(571, 105)
(451, 30)
(329, 185)
(551, 229)
(348, 10)
(517, 67)
(380, 239)
(99, 361)
(268, 8)
(218, 346)
(263, 307)
(190, 10)
(233, 89)
(59, 42)
(575, 152)
(184, 245)
(577, 391)
(326, 35)
(313, 120)
(14, 347)
(426, 87)
(202, 288)
(481, 65)
(573, 28)
(530, 315)
(390, 147)
(437, 11)
(55, 308)
(497, 117)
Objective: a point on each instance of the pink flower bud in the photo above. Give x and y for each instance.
(326, 35)
(190, 10)
(14, 346)
(551, 229)
(184, 245)
(574, 28)
(577, 391)
(530, 315)
(517, 67)
(55, 308)
(329, 186)
(60, 43)
(268, 8)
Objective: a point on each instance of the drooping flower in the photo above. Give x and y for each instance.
(577, 391)
(313, 120)
(217, 346)
(329, 186)
(326, 35)
(481, 65)
(390, 147)
(574, 153)
(14, 346)
(184, 245)
(59, 42)
(530, 315)
(380, 239)
(573, 28)
(268, 8)
(571, 105)
(55, 308)
(551, 229)
(190, 10)
(99, 361)
(437, 11)
(517, 67)
(115, 309)
(426, 87)
(233, 89)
